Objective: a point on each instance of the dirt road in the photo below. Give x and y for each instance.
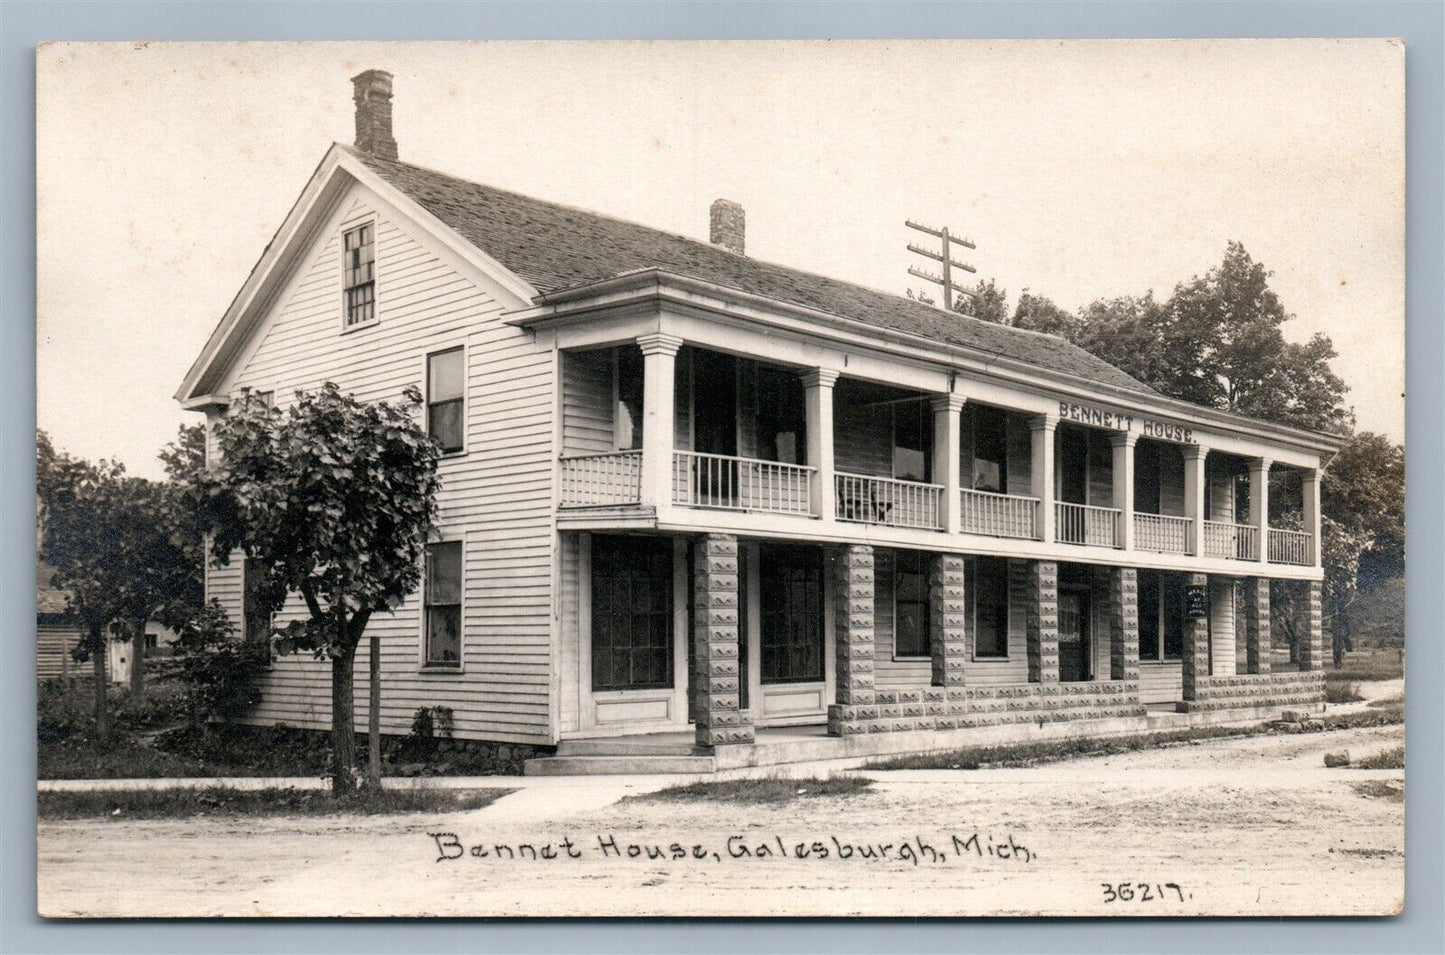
(1240, 827)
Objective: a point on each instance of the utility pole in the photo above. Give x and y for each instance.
(943, 256)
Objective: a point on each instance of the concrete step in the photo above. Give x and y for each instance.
(673, 745)
(616, 765)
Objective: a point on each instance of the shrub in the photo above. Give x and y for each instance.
(222, 671)
(1342, 692)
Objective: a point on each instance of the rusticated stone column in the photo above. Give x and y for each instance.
(1041, 620)
(856, 704)
(1195, 664)
(948, 614)
(1256, 625)
(1312, 645)
(1123, 623)
(720, 719)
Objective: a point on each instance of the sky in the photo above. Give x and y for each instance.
(1081, 169)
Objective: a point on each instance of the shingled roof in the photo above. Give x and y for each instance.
(556, 247)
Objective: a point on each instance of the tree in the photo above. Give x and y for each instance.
(988, 302)
(333, 498)
(1039, 314)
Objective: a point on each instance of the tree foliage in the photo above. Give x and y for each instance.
(222, 671)
(988, 302)
(333, 499)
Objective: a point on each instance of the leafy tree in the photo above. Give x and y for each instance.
(333, 498)
(1039, 314)
(988, 302)
(221, 669)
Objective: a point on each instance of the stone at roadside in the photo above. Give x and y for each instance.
(1335, 760)
(1295, 716)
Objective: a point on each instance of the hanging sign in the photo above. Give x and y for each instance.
(1196, 601)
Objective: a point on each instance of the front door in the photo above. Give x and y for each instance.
(790, 581)
(1074, 637)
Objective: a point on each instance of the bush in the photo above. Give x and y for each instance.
(1342, 692)
(223, 672)
(63, 711)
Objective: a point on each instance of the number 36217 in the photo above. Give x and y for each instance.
(1144, 892)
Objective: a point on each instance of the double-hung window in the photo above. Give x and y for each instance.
(445, 390)
(989, 607)
(359, 262)
(443, 595)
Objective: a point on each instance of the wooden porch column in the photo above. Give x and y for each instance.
(1195, 662)
(1310, 493)
(659, 420)
(948, 613)
(818, 401)
(853, 641)
(947, 410)
(1041, 620)
(1194, 483)
(1123, 444)
(1256, 625)
(1123, 623)
(1042, 428)
(720, 719)
(1311, 650)
(1259, 504)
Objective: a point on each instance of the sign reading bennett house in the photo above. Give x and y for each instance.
(1118, 421)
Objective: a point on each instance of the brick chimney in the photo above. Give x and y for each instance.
(727, 224)
(372, 92)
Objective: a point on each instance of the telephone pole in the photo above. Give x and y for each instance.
(945, 257)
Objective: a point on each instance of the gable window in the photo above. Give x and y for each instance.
(911, 636)
(444, 604)
(445, 389)
(359, 262)
(989, 608)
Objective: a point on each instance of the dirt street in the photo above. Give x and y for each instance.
(1241, 827)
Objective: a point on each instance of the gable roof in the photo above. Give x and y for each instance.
(556, 247)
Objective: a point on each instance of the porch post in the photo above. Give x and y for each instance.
(720, 719)
(853, 642)
(818, 400)
(1123, 623)
(659, 420)
(1041, 620)
(1041, 428)
(946, 426)
(1311, 650)
(1310, 492)
(1256, 624)
(948, 613)
(1194, 482)
(1195, 662)
(1123, 443)
(1259, 504)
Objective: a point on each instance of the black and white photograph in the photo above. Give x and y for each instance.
(867, 478)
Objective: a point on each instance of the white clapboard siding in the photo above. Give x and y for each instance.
(887, 671)
(1161, 682)
(1171, 480)
(1221, 492)
(1221, 626)
(53, 643)
(497, 496)
(587, 426)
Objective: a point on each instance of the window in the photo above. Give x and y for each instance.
(1073, 453)
(629, 398)
(791, 605)
(631, 613)
(445, 383)
(359, 263)
(912, 440)
(990, 449)
(1147, 486)
(911, 635)
(1148, 615)
(444, 604)
(990, 607)
(781, 424)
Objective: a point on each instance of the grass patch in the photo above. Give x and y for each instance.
(1017, 755)
(219, 801)
(1393, 758)
(1364, 673)
(1388, 789)
(1341, 692)
(1398, 701)
(770, 790)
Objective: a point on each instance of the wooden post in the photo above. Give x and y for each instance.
(946, 427)
(1259, 504)
(1123, 443)
(818, 400)
(1042, 429)
(659, 420)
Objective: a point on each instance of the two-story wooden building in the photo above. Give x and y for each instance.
(688, 492)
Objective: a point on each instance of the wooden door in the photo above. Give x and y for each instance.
(1074, 637)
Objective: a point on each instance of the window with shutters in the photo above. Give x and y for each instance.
(359, 264)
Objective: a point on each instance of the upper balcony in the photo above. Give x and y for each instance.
(743, 440)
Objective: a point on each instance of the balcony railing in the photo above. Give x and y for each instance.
(602, 480)
(1291, 547)
(1161, 533)
(1087, 524)
(1231, 541)
(894, 503)
(741, 484)
(999, 515)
